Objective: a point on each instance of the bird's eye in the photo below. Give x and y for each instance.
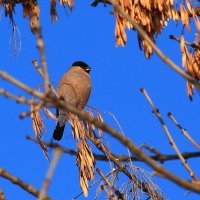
(88, 69)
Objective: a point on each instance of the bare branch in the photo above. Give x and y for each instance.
(184, 132)
(18, 99)
(39, 70)
(40, 45)
(25, 186)
(123, 158)
(109, 194)
(46, 183)
(193, 45)
(21, 85)
(172, 142)
(152, 149)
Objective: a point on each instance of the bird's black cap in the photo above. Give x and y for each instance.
(83, 65)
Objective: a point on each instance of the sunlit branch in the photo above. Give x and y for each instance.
(25, 186)
(47, 180)
(40, 45)
(18, 99)
(39, 70)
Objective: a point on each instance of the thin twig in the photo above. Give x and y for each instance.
(121, 130)
(152, 149)
(112, 188)
(25, 186)
(184, 132)
(18, 99)
(21, 85)
(109, 194)
(39, 70)
(172, 142)
(40, 45)
(46, 183)
(193, 45)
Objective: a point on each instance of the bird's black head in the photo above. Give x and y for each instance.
(83, 65)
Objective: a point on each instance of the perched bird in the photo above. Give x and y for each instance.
(74, 89)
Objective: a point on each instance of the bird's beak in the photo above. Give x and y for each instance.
(88, 69)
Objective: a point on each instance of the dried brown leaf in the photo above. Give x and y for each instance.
(53, 12)
(190, 90)
(38, 126)
(189, 6)
(31, 9)
(50, 114)
(183, 50)
(99, 117)
(184, 17)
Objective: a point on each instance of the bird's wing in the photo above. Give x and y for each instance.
(68, 95)
(57, 110)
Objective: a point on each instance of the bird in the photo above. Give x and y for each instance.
(74, 88)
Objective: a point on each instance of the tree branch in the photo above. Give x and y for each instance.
(53, 101)
(25, 186)
(193, 45)
(18, 99)
(123, 158)
(184, 132)
(47, 180)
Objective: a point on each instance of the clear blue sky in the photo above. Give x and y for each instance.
(117, 74)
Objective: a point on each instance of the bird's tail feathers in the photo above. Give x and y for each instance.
(58, 132)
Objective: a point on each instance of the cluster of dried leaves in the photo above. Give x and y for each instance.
(113, 187)
(38, 127)
(190, 59)
(84, 156)
(53, 12)
(31, 10)
(151, 15)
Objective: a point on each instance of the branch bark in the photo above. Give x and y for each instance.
(25, 186)
(123, 158)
